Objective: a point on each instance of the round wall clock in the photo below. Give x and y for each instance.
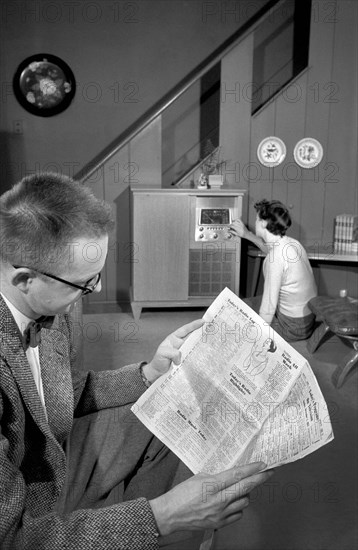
(308, 152)
(271, 151)
(44, 85)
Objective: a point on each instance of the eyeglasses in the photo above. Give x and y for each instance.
(87, 289)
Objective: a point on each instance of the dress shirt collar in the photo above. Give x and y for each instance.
(21, 320)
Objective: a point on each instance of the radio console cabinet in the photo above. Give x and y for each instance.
(183, 254)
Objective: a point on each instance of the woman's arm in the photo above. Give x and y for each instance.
(273, 280)
(238, 229)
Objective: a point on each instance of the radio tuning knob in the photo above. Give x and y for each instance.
(228, 235)
(215, 236)
(201, 236)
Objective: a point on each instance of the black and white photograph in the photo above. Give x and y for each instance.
(178, 275)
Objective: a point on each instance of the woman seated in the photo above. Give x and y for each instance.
(289, 281)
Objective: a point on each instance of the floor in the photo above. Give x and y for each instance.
(311, 504)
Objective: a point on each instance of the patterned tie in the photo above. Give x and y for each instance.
(32, 333)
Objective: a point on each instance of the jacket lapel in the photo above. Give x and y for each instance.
(11, 349)
(56, 380)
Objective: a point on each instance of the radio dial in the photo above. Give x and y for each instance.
(215, 236)
(228, 235)
(201, 236)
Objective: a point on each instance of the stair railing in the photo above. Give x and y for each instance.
(158, 108)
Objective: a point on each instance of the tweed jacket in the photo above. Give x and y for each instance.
(32, 460)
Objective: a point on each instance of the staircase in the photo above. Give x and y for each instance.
(214, 104)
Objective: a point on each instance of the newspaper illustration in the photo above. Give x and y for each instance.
(241, 394)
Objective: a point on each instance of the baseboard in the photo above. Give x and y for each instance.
(106, 307)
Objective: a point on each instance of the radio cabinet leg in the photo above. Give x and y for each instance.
(136, 310)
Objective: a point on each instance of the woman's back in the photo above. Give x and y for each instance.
(288, 260)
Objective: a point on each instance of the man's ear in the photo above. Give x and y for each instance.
(22, 278)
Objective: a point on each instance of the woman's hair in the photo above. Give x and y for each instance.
(276, 214)
(43, 216)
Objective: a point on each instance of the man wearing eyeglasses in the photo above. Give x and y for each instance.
(101, 481)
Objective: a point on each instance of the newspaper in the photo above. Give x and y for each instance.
(241, 394)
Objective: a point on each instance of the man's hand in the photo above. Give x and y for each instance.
(207, 501)
(169, 351)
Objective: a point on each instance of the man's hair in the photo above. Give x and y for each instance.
(43, 216)
(276, 214)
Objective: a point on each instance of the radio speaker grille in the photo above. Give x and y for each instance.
(210, 271)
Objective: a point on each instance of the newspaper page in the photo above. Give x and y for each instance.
(241, 394)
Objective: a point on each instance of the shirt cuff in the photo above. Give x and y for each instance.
(144, 378)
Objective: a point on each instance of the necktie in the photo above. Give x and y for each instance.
(32, 333)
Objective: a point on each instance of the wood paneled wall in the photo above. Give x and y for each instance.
(320, 103)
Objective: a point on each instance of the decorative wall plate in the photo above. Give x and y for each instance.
(271, 151)
(44, 85)
(308, 152)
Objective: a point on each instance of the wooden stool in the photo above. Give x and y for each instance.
(339, 316)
